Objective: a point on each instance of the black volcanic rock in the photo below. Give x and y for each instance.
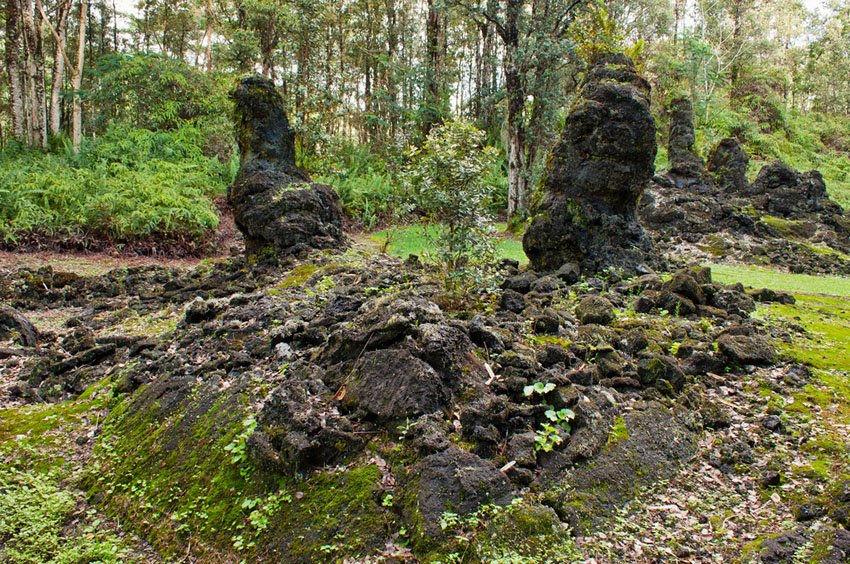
(781, 190)
(687, 169)
(275, 206)
(728, 165)
(599, 169)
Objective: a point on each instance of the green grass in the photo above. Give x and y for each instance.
(417, 240)
(758, 277)
(826, 345)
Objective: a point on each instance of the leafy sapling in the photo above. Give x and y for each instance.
(548, 436)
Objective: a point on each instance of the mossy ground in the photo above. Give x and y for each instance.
(168, 475)
(44, 516)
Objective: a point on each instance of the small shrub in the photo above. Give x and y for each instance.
(447, 181)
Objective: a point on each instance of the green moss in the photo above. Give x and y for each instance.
(167, 474)
(299, 275)
(524, 533)
(154, 324)
(544, 340)
(340, 515)
(788, 228)
(826, 345)
(619, 431)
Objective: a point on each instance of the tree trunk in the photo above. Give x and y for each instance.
(59, 68)
(434, 75)
(34, 51)
(13, 68)
(517, 182)
(77, 81)
(114, 28)
(735, 65)
(390, 76)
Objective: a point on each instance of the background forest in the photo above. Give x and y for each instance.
(115, 121)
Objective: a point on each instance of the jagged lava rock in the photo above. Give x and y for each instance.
(275, 206)
(687, 169)
(459, 481)
(781, 190)
(728, 164)
(598, 171)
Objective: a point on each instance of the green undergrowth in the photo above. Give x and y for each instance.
(40, 523)
(43, 517)
(406, 240)
(129, 183)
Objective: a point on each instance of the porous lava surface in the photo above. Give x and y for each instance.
(587, 210)
(347, 361)
(784, 218)
(275, 206)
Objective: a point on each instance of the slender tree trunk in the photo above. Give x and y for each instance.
(434, 74)
(114, 27)
(77, 80)
(676, 17)
(390, 74)
(206, 42)
(34, 51)
(517, 182)
(13, 68)
(59, 68)
(735, 65)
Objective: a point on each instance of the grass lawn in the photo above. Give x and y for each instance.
(409, 240)
(758, 277)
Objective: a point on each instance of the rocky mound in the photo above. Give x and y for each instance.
(784, 218)
(275, 206)
(587, 213)
(339, 385)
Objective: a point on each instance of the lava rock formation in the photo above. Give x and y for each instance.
(275, 206)
(588, 211)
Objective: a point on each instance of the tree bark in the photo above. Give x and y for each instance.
(13, 68)
(390, 75)
(434, 75)
(34, 54)
(517, 182)
(59, 68)
(77, 80)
